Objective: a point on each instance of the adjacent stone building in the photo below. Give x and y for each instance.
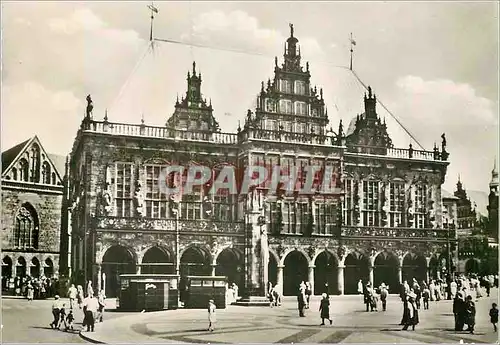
(32, 204)
(382, 223)
(493, 204)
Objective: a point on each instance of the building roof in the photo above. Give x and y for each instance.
(447, 195)
(9, 155)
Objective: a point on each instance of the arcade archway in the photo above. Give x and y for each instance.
(157, 260)
(295, 271)
(195, 262)
(386, 271)
(433, 268)
(117, 260)
(356, 268)
(414, 266)
(48, 268)
(272, 270)
(472, 266)
(6, 271)
(21, 267)
(229, 264)
(35, 268)
(325, 274)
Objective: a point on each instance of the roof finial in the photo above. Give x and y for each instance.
(276, 61)
(106, 114)
(291, 30)
(142, 118)
(194, 68)
(369, 92)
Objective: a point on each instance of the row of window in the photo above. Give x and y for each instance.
(297, 127)
(370, 204)
(298, 87)
(296, 217)
(22, 173)
(286, 106)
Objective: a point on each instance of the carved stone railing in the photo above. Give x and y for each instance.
(159, 132)
(361, 231)
(131, 223)
(398, 152)
(286, 137)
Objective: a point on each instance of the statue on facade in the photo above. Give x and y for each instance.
(139, 198)
(107, 199)
(90, 106)
(443, 143)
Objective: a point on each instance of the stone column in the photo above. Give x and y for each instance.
(214, 266)
(400, 274)
(311, 277)
(279, 279)
(253, 286)
(340, 279)
(370, 272)
(99, 277)
(138, 269)
(427, 277)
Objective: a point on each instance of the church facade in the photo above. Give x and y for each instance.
(383, 222)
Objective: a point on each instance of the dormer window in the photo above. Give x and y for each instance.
(300, 87)
(285, 86)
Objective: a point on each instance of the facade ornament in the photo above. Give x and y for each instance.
(139, 198)
(311, 251)
(90, 107)
(107, 199)
(342, 252)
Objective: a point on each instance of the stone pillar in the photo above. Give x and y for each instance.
(254, 283)
(370, 272)
(427, 277)
(400, 274)
(279, 279)
(99, 277)
(311, 277)
(340, 279)
(138, 269)
(214, 266)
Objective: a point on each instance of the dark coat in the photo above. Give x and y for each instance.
(324, 308)
(494, 315)
(414, 319)
(470, 316)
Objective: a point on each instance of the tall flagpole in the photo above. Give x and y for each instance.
(153, 11)
(353, 43)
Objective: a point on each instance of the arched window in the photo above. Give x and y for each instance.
(35, 163)
(46, 173)
(14, 174)
(53, 178)
(23, 170)
(26, 228)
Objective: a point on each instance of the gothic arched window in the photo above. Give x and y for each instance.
(53, 178)
(35, 163)
(23, 170)
(14, 174)
(46, 173)
(26, 228)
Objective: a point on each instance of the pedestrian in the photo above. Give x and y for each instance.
(301, 301)
(62, 317)
(324, 308)
(487, 286)
(411, 312)
(56, 307)
(90, 306)
(459, 311)
(72, 292)
(101, 299)
(79, 296)
(69, 320)
(360, 287)
(470, 309)
(426, 294)
(31, 292)
(494, 316)
(308, 293)
(211, 315)
(383, 296)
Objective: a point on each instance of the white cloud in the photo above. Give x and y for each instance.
(80, 20)
(30, 108)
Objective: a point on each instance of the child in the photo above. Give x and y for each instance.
(62, 317)
(69, 320)
(211, 315)
(494, 316)
(426, 295)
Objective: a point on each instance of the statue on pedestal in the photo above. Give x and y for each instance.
(139, 198)
(107, 199)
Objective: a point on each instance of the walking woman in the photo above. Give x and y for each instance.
(324, 308)
(79, 296)
(470, 316)
(411, 312)
(301, 300)
(211, 315)
(31, 292)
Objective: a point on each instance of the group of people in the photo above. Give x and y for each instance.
(92, 306)
(32, 287)
(231, 293)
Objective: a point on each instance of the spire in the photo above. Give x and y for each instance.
(194, 68)
(291, 30)
(106, 115)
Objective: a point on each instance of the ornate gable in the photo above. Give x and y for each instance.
(192, 112)
(32, 164)
(366, 133)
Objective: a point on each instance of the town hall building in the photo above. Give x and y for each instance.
(382, 223)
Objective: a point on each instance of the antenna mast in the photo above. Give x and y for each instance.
(353, 43)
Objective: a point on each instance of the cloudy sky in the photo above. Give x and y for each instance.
(434, 65)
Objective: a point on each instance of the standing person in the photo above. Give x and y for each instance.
(301, 300)
(308, 293)
(72, 292)
(383, 296)
(31, 292)
(458, 311)
(56, 308)
(62, 317)
(360, 287)
(494, 316)
(453, 289)
(101, 300)
(90, 306)
(69, 320)
(90, 289)
(324, 308)
(211, 315)
(487, 286)
(426, 294)
(470, 309)
(79, 296)
(411, 312)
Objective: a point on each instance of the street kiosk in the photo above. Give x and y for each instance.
(148, 292)
(201, 289)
